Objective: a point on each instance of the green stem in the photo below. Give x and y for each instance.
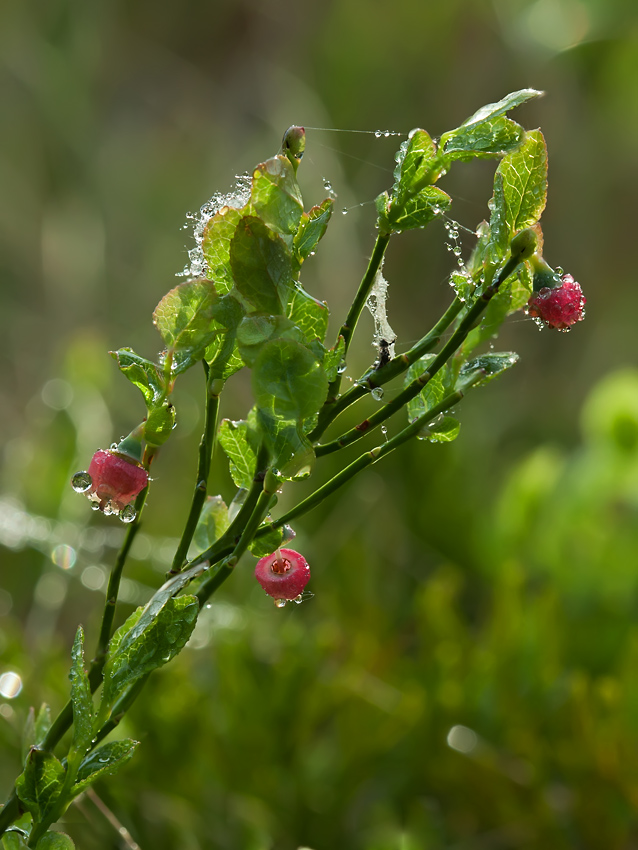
(378, 377)
(348, 327)
(466, 324)
(206, 446)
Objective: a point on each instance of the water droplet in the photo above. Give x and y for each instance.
(128, 514)
(113, 447)
(378, 134)
(289, 533)
(341, 368)
(81, 482)
(384, 431)
(377, 393)
(344, 211)
(280, 603)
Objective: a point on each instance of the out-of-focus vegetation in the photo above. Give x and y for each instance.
(465, 675)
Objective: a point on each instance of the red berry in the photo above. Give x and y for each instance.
(114, 481)
(284, 574)
(560, 307)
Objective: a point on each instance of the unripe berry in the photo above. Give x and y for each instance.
(111, 482)
(559, 307)
(284, 574)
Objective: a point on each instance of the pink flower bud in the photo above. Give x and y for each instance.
(559, 307)
(111, 482)
(284, 574)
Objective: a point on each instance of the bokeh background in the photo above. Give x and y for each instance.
(465, 676)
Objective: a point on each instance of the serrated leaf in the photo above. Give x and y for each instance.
(81, 698)
(494, 137)
(236, 440)
(312, 227)
(310, 316)
(492, 110)
(55, 841)
(492, 365)
(35, 729)
(216, 240)
(262, 265)
(524, 175)
(39, 786)
(185, 319)
(105, 761)
(157, 636)
(213, 522)
(222, 354)
(288, 380)
(444, 429)
(142, 373)
(159, 424)
(276, 197)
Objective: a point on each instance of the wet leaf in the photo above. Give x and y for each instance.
(288, 380)
(159, 424)
(524, 174)
(213, 522)
(222, 354)
(312, 227)
(276, 197)
(35, 729)
(492, 110)
(237, 441)
(154, 637)
(445, 429)
(414, 161)
(492, 364)
(216, 240)
(495, 137)
(41, 783)
(267, 543)
(334, 358)
(293, 456)
(262, 266)
(434, 390)
(310, 316)
(81, 698)
(142, 373)
(105, 761)
(185, 319)
(55, 841)
(417, 211)
(259, 328)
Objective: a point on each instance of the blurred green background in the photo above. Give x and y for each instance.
(465, 676)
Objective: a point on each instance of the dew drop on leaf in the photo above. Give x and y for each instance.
(81, 482)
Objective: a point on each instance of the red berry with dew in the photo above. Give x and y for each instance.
(559, 307)
(112, 482)
(283, 575)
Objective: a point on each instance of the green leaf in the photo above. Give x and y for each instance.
(185, 319)
(524, 175)
(159, 424)
(216, 240)
(275, 197)
(494, 137)
(444, 429)
(41, 783)
(222, 355)
(257, 329)
(156, 636)
(213, 522)
(333, 359)
(105, 761)
(81, 698)
(288, 380)
(237, 441)
(262, 265)
(144, 374)
(492, 365)
(55, 841)
(267, 544)
(312, 227)
(13, 840)
(417, 211)
(293, 456)
(492, 110)
(414, 161)
(310, 316)
(432, 393)
(35, 729)
(497, 311)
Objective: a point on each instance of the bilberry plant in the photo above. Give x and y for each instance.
(246, 308)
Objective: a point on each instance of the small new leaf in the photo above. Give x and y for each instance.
(35, 729)
(310, 315)
(185, 319)
(237, 443)
(213, 522)
(312, 226)
(55, 841)
(276, 198)
(490, 365)
(524, 175)
(261, 265)
(143, 374)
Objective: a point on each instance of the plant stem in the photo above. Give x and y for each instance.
(206, 446)
(414, 388)
(377, 377)
(348, 327)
